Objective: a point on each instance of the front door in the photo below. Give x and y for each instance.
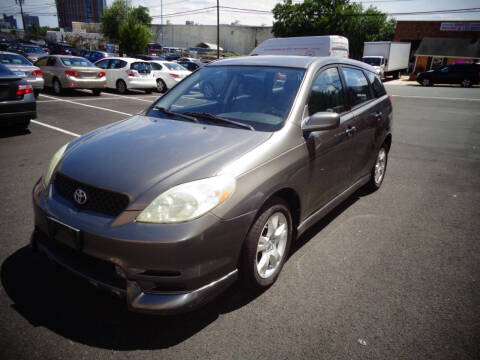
(330, 150)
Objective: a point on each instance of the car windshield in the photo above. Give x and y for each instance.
(259, 96)
(10, 59)
(76, 62)
(372, 61)
(33, 50)
(173, 66)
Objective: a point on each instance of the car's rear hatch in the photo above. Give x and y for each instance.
(8, 87)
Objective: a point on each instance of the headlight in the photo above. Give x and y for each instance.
(188, 201)
(47, 174)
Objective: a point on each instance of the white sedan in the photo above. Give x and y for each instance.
(167, 74)
(128, 73)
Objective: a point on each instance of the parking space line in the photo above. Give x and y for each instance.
(55, 128)
(80, 99)
(130, 97)
(90, 106)
(432, 97)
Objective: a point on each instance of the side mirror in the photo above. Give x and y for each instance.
(321, 121)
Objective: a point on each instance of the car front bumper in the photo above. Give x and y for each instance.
(159, 268)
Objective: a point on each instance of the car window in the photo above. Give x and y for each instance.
(327, 93)
(51, 61)
(445, 69)
(5, 71)
(260, 96)
(175, 67)
(11, 59)
(102, 64)
(378, 89)
(117, 64)
(81, 62)
(156, 66)
(141, 67)
(33, 49)
(357, 86)
(42, 61)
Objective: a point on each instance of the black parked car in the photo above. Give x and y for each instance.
(17, 100)
(62, 49)
(466, 75)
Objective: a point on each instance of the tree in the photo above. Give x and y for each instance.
(114, 16)
(76, 40)
(333, 17)
(134, 36)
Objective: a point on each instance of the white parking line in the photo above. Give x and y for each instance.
(90, 106)
(80, 99)
(55, 128)
(131, 98)
(433, 97)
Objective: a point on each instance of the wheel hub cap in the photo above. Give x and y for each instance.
(271, 245)
(380, 166)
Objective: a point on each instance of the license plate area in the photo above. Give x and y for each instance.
(64, 233)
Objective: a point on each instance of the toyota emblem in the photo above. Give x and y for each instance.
(80, 196)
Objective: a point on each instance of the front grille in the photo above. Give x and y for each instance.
(99, 200)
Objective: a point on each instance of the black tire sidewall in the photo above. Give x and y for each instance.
(119, 87)
(59, 86)
(164, 88)
(248, 269)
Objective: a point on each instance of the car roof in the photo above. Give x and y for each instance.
(127, 59)
(66, 56)
(302, 62)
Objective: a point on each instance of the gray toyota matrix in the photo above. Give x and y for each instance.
(215, 180)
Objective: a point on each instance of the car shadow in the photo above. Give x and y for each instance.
(11, 132)
(47, 295)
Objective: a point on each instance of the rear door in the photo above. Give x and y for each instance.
(361, 128)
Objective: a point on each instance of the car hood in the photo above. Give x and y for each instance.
(144, 156)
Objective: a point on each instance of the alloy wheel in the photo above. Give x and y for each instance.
(380, 165)
(271, 245)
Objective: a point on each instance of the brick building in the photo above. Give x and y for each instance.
(437, 43)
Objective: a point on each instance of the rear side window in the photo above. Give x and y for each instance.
(117, 64)
(378, 89)
(357, 86)
(102, 64)
(42, 61)
(327, 93)
(51, 61)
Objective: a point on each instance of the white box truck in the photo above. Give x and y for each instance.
(332, 45)
(387, 57)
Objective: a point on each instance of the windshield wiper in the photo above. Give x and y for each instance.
(220, 119)
(171, 113)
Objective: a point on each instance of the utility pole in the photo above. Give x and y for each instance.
(161, 21)
(20, 2)
(218, 30)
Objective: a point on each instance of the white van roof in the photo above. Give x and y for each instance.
(331, 45)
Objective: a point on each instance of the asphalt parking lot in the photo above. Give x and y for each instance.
(391, 275)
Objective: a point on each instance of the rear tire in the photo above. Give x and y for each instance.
(378, 171)
(36, 93)
(57, 87)
(121, 87)
(22, 124)
(267, 245)
(97, 92)
(466, 83)
(396, 75)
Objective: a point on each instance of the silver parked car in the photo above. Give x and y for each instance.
(71, 72)
(21, 66)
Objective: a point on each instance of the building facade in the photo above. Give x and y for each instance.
(438, 43)
(88, 11)
(9, 21)
(30, 20)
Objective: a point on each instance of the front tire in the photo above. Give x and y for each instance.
(378, 171)
(466, 83)
(267, 245)
(426, 82)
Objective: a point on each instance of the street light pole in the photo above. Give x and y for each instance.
(218, 30)
(161, 21)
(20, 2)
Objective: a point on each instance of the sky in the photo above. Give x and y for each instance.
(260, 15)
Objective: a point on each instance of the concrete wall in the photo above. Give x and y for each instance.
(236, 38)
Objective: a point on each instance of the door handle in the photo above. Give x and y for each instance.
(351, 130)
(378, 115)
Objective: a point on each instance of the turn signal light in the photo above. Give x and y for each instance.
(101, 74)
(174, 75)
(37, 73)
(71, 73)
(23, 89)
